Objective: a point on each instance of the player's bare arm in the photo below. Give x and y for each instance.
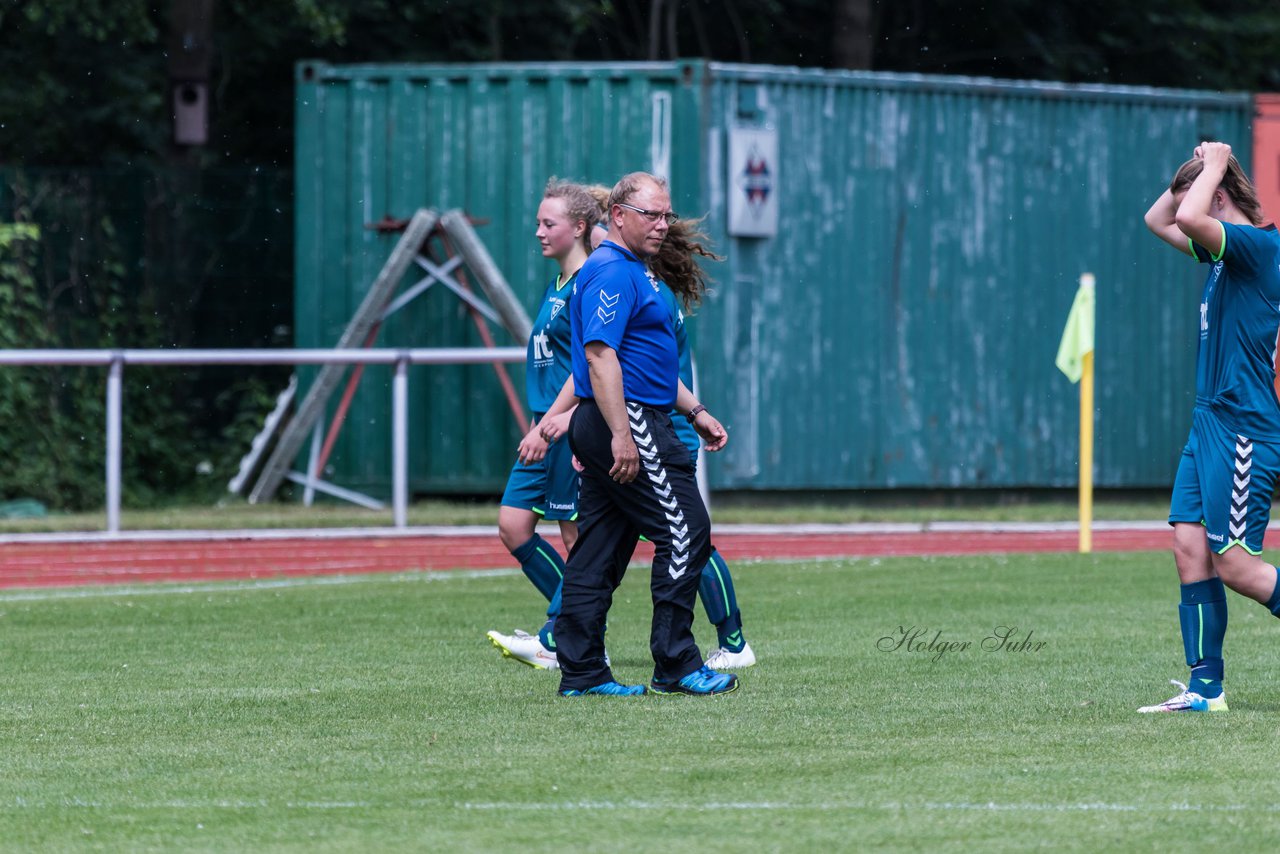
(1161, 219)
(1195, 216)
(606, 382)
(555, 422)
(532, 447)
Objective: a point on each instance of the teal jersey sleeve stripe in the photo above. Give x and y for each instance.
(1223, 248)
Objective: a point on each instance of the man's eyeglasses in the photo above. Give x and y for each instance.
(652, 216)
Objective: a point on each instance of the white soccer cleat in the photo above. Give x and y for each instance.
(526, 649)
(723, 659)
(1189, 701)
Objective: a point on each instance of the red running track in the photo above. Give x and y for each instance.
(45, 564)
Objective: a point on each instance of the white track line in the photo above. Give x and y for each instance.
(482, 531)
(253, 534)
(160, 588)
(658, 806)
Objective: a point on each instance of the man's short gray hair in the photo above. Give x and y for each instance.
(628, 185)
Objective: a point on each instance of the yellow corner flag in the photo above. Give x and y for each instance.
(1077, 337)
(1075, 359)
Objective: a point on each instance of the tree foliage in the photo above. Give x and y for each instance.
(52, 419)
(87, 85)
(94, 90)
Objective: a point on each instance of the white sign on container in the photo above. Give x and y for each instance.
(753, 182)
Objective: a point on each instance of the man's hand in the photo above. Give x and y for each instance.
(711, 431)
(626, 459)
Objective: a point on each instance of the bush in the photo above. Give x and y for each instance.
(141, 257)
(52, 419)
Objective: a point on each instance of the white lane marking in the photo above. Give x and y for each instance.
(656, 806)
(162, 589)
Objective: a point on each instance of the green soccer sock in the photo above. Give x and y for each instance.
(541, 563)
(1202, 616)
(546, 634)
(715, 588)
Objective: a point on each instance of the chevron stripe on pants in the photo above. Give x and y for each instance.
(664, 505)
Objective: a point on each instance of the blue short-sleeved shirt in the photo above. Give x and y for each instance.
(547, 359)
(618, 303)
(1239, 323)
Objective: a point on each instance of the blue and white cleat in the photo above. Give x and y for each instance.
(702, 682)
(606, 689)
(1189, 701)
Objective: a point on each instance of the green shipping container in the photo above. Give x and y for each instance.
(900, 255)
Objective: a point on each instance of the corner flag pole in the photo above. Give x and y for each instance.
(1075, 359)
(1086, 454)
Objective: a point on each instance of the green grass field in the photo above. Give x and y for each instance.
(369, 714)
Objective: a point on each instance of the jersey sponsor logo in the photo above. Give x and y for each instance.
(541, 347)
(653, 281)
(1208, 294)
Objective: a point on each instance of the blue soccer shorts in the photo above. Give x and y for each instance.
(548, 487)
(1225, 482)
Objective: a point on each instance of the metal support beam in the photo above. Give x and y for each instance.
(357, 332)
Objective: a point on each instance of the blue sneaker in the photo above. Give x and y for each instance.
(608, 689)
(702, 682)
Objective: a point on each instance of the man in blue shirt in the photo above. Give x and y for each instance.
(638, 477)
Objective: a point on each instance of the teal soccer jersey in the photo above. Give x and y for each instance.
(1228, 469)
(684, 430)
(1239, 321)
(547, 360)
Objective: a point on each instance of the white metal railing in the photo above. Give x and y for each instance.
(115, 361)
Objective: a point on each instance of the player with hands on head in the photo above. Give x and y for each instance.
(1227, 473)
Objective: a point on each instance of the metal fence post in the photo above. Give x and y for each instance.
(115, 360)
(400, 441)
(115, 384)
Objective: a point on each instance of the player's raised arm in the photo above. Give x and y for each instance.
(1200, 210)
(1162, 220)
